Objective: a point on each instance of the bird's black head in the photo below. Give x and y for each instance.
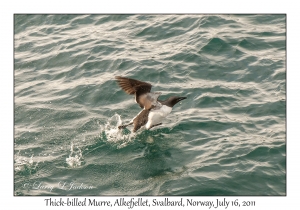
(173, 100)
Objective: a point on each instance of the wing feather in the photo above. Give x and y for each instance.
(132, 86)
(139, 88)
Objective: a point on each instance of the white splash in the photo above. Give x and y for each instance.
(114, 134)
(77, 160)
(24, 163)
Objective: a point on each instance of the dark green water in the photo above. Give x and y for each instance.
(227, 138)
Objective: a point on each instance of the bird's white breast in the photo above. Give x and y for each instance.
(156, 116)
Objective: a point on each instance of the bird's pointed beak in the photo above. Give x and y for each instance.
(181, 98)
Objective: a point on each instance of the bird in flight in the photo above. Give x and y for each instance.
(153, 110)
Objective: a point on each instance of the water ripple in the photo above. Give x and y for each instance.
(227, 137)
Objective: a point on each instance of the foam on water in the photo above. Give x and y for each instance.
(24, 164)
(77, 159)
(115, 135)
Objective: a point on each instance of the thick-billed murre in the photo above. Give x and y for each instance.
(154, 110)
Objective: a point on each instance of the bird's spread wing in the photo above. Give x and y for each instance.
(131, 86)
(139, 88)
